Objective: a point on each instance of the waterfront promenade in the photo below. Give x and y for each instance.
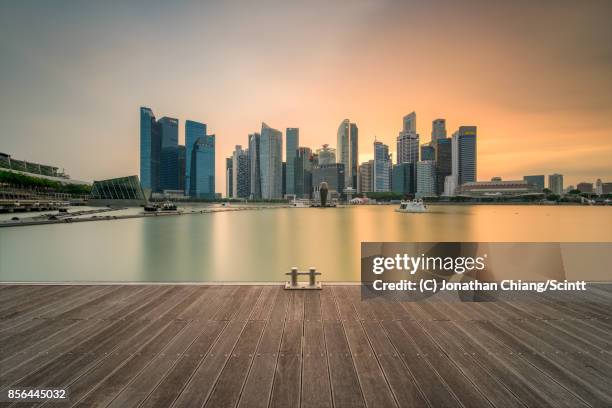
(260, 346)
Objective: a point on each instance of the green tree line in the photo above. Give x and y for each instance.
(22, 181)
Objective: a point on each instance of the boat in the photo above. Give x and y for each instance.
(414, 206)
(168, 206)
(151, 207)
(297, 203)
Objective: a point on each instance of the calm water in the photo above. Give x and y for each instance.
(262, 245)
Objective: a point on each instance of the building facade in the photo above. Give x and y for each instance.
(366, 177)
(229, 177)
(555, 183)
(168, 169)
(464, 155)
(536, 180)
(348, 151)
(585, 187)
(444, 162)
(255, 165)
(428, 152)
(193, 131)
(426, 178)
(271, 168)
(326, 155)
(438, 130)
(303, 172)
(408, 141)
(333, 174)
(403, 178)
(382, 167)
(241, 173)
(150, 150)
(292, 136)
(203, 168)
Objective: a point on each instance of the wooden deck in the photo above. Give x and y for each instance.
(261, 346)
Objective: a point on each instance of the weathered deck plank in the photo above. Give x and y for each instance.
(262, 346)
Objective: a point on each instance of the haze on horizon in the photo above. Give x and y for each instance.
(536, 78)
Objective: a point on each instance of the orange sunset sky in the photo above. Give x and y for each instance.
(535, 77)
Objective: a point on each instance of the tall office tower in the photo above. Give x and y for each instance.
(444, 162)
(193, 130)
(348, 151)
(326, 155)
(598, 187)
(438, 130)
(293, 141)
(240, 172)
(382, 167)
(426, 178)
(403, 178)
(537, 181)
(150, 149)
(271, 168)
(254, 162)
(428, 152)
(464, 155)
(284, 184)
(303, 172)
(408, 141)
(555, 183)
(229, 177)
(181, 169)
(203, 167)
(168, 172)
(333, 174)
(366, 177)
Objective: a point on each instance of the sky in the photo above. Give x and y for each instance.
(535, 77)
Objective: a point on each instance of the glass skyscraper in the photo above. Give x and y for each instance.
(293, 141)
(382, 167)
(303, 172)
(254, 162)
(464, 155)
(168, 172)
(408, 141)
(150, 145)
(240, 171)
(202, 163)
(193, 131)
(348, 151)
(444, 163)
(438, 130)
(271, 168)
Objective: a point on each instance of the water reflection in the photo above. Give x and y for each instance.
(261, 245)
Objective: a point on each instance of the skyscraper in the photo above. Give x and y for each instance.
(438, 130)
(193, 130)
(555, 183)
(150, 148)
(428, 152)
(229, 177)
(408, 141)
(303, 172)
(333, 174)
(426, 178)
(181, 168)
(293, 141)
(203, 167)
(402, 180)
(270, 156)
(382, 167)
(464, 155)
(444, 162)
(168, 173)
(326, 155)
(254, 162)
(240, 173)
(366, 177)
(348, 151)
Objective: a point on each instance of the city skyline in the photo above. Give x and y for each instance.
(71, 81)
